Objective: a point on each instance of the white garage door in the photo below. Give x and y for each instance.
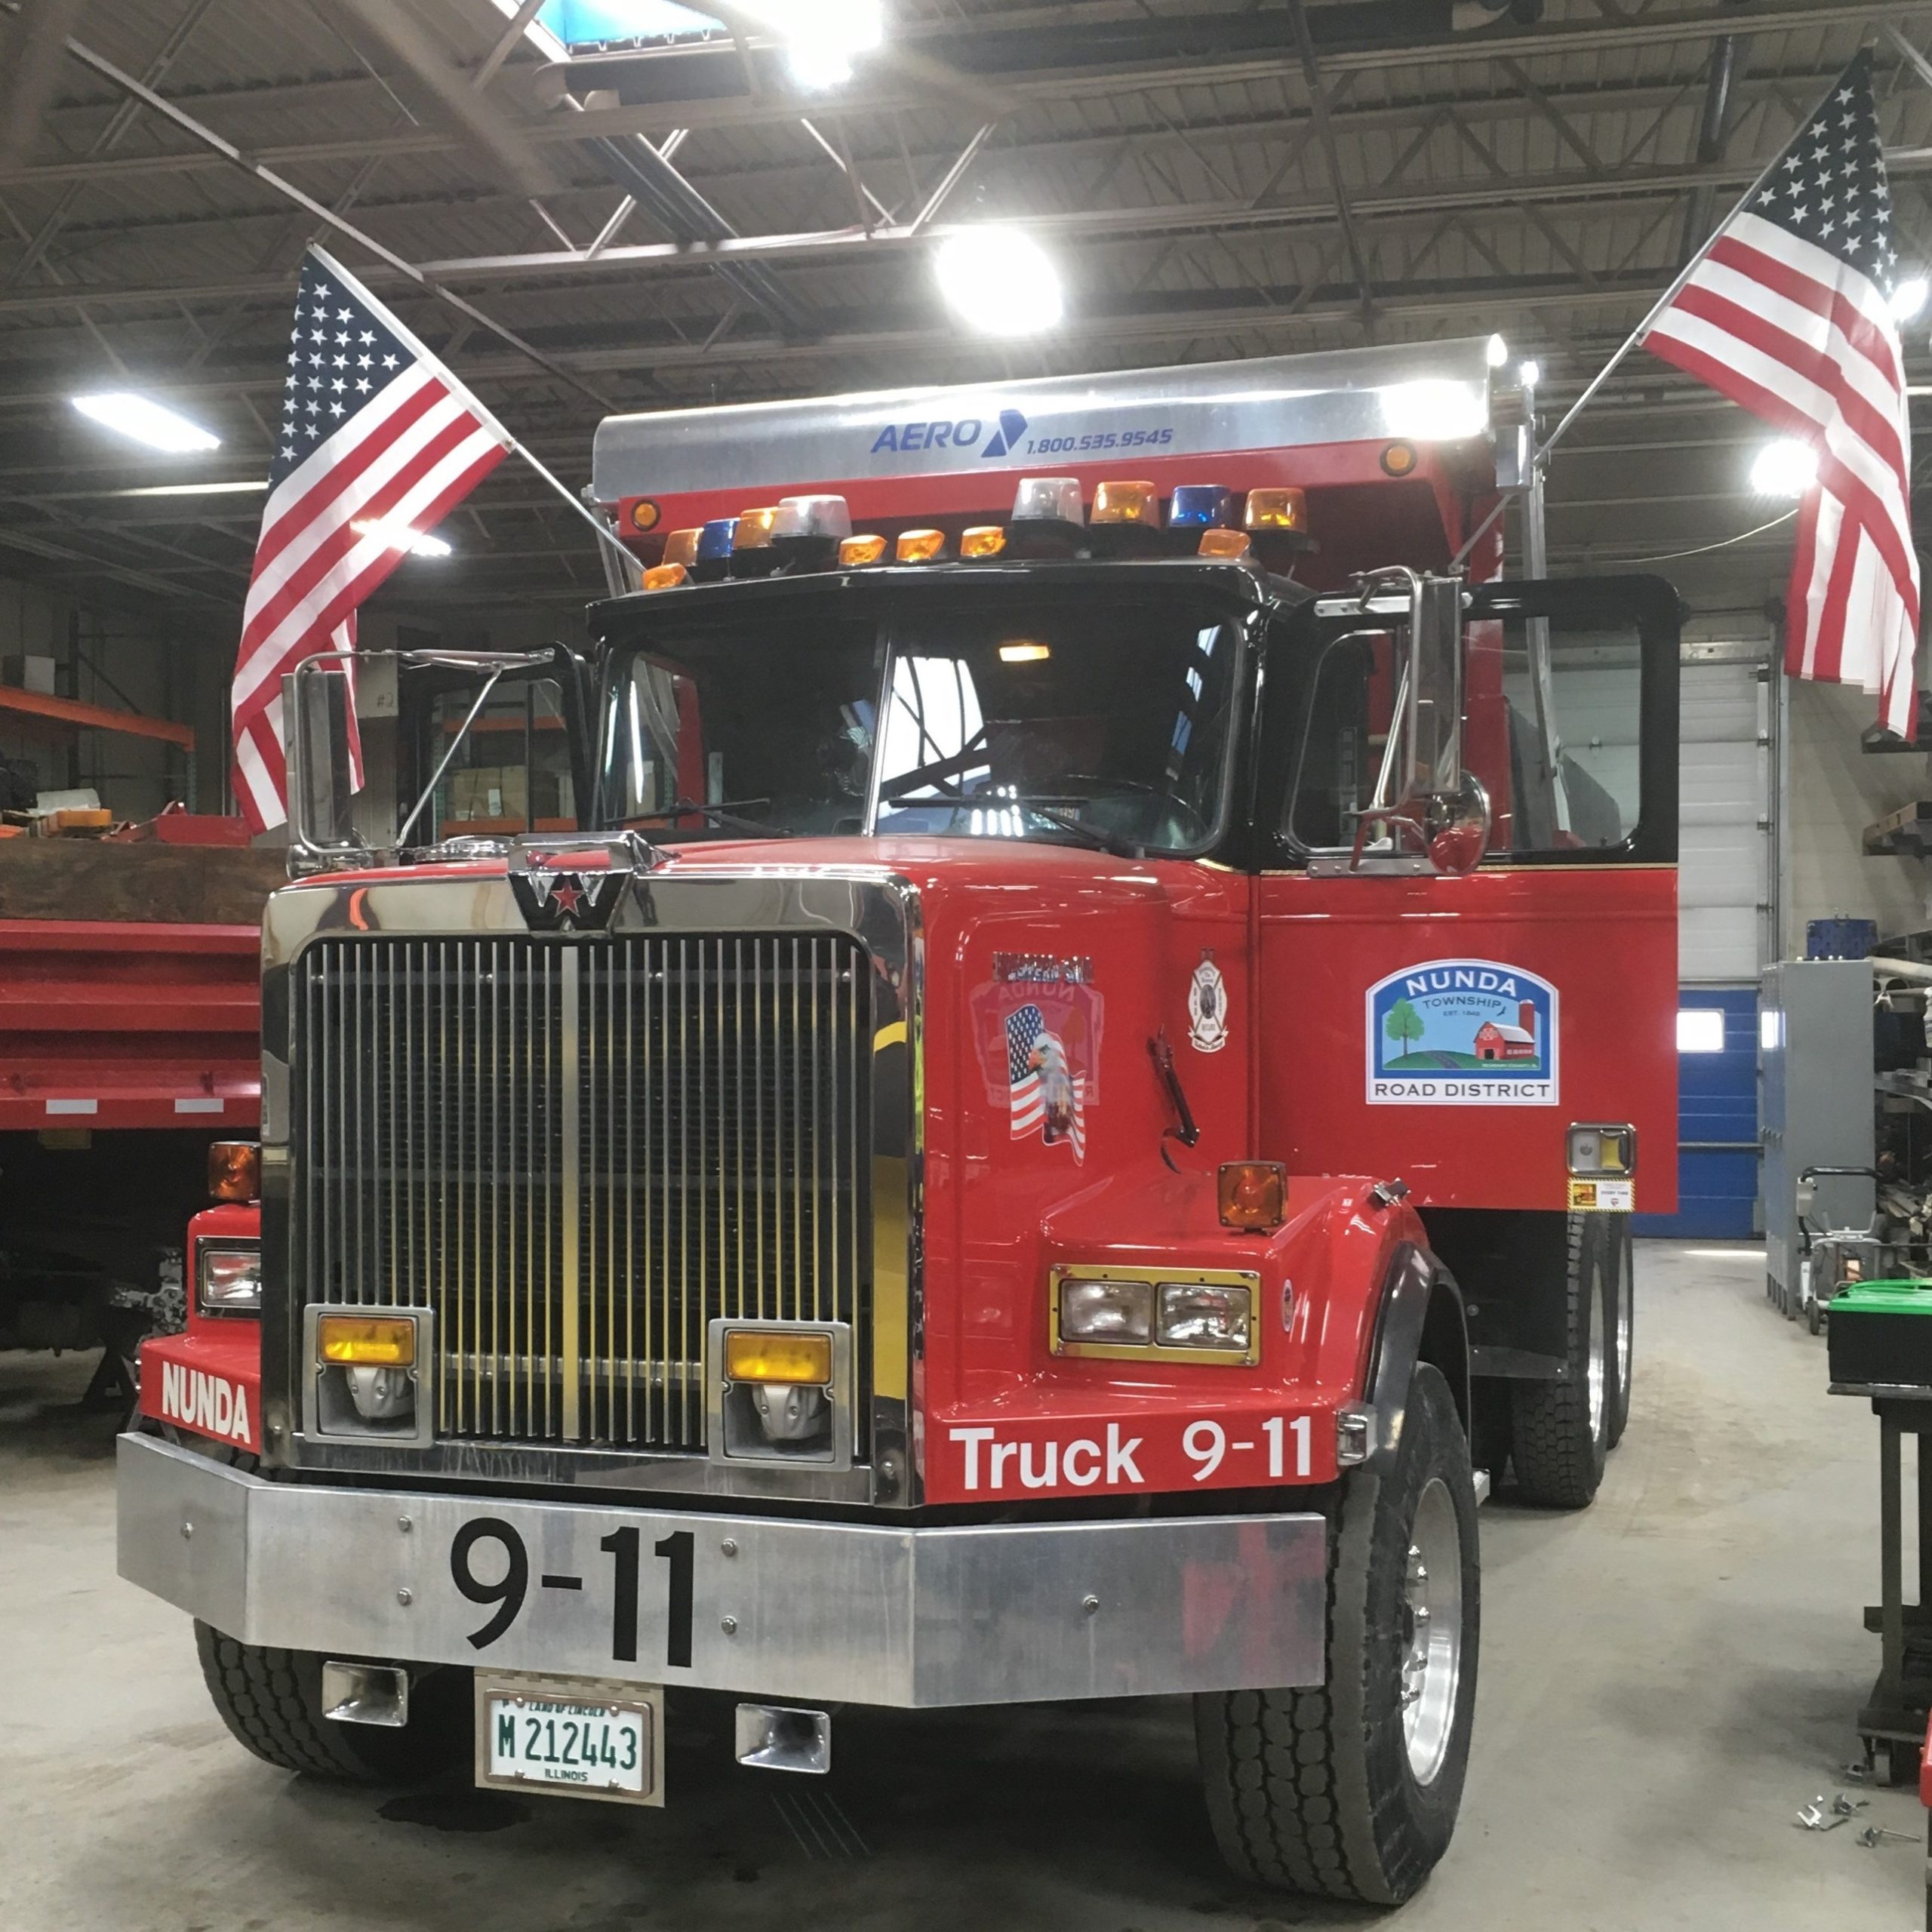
(1723, 877)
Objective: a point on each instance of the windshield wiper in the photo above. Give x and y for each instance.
(727, 818)
(1089, 835)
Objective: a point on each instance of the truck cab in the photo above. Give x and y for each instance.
(1072, 1097)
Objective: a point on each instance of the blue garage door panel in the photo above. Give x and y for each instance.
(1717, 1124)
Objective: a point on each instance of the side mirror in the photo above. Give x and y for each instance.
(1458, 827)
(318, 727)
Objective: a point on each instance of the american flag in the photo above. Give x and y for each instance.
(1788, 313)
(378, 442)
(1048, 1097)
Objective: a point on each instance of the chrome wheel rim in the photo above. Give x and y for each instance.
(1597, 1370)
(1432, 1632)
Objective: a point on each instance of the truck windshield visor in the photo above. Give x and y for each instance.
(1079, 719)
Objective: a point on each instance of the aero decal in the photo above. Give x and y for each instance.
(1462, 1033)
(209, 1404)
(1012, 427)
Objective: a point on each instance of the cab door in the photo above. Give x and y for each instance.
(1426, 1013)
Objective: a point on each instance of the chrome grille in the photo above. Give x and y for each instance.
(579, 1155)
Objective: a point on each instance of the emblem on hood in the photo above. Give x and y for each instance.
(574, 884)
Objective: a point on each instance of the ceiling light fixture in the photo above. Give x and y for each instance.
(1000, 281)
(1434, 410)
(821, 37)
(1497, 350)
(145, 422)
(1785, 469)
(1908, 297)
(1530, 374)
(400, 536)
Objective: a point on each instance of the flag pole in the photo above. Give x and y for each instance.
(1670, 296)
(1541, 455)
(627, 563)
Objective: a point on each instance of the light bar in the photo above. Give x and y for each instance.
(800, 517)
(752, 531)
(681, 547)
(145, 422)
(716, 540)
(1127, 502)
(1225, 543)
(1203, 506)
(1276, 509)
(1048, 500)
(856, 553)
(984, 540)
(921, 547)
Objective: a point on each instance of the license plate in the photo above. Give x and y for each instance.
(573, 1736)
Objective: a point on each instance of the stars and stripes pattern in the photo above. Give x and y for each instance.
(378, 442)
(1048, 1098)
(1788, 313)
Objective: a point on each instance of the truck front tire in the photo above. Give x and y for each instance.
(1560, 1430)
(1351, 1790)
(272, 1700)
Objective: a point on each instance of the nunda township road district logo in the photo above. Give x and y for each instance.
(1462, 1033)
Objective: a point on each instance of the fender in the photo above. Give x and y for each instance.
(1420, 1319)
(207, 1381)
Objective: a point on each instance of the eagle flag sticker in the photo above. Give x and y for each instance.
(1462, 1033)
(1039, 1024)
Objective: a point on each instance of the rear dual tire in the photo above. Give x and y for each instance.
(1351, 1790)
(1561, 1432)
(272, 1700)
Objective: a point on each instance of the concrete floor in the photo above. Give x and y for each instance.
(1666, 1679)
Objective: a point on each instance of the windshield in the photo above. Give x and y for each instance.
(1070, 718)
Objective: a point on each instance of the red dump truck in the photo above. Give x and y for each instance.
(130, 1009)
(1075, 1095)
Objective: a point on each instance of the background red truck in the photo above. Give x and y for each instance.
(973, 1177)
(130, 1039)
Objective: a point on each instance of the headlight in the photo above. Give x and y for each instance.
(1121, 1312)
(1196, 1315)
(228, 1279)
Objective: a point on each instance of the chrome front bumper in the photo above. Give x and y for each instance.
(833, 1612)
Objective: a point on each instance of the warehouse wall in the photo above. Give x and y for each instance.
(1837, 788)
(124, 657)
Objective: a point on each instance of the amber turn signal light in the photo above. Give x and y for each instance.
(768, 1355)
(1253, 1195)
(1225, 543)
(367, 1341)
(235, 1170)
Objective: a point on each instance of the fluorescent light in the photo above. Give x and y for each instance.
(194, 489)
(1434, 410)
(1785, 468)
(145, 422)
(1000, 281)
(400, 536)
(1497, 350)
(1699, 1029)
(1024, 653)
(1908, 297)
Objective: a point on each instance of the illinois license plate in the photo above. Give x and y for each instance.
(577, 1738)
